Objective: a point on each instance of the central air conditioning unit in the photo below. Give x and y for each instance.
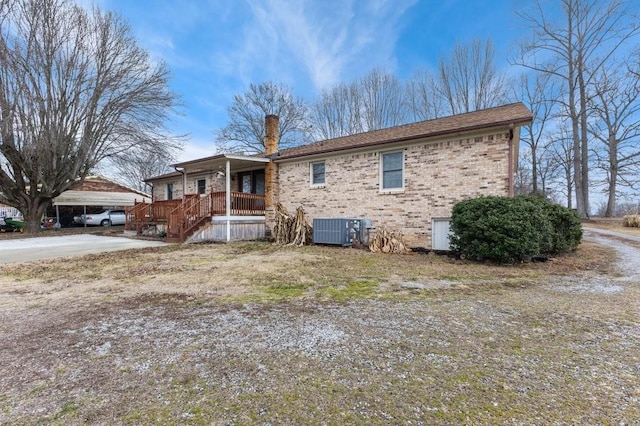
(341, 231)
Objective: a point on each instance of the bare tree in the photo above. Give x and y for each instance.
(373, 102)
(245, 130)
(75, 88)
(574, 50)
(548, 170)
(468, 79)
(382, 105)
(523, 178)
(422, 97)
(538, 94)
(337, 112)
(563, 155)
(139, 164)
(617, 127)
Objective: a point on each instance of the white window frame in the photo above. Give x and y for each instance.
(198, 180)
(381, 171)
(311, 182)
(170, 188)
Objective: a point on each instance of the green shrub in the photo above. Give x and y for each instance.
(566, 228)
(508, 230)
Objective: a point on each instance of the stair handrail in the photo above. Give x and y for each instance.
(188, 215)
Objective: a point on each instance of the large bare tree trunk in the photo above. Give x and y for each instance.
(583, 211)
(33, 215)
(610, 211)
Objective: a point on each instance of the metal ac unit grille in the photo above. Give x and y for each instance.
(340, 231)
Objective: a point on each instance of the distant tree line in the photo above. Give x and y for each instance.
(466, 80)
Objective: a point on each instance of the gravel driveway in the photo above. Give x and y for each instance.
(627, 246)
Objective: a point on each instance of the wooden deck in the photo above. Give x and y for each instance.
(183, 217)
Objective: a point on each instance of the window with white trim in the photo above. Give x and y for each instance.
(201, 186)
(170, 191)
(392, 171)
(317, 171)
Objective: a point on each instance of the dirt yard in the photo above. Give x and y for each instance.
(261, 334)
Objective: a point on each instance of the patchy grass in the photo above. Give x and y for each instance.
(258, 271)
(285, 290)
(350, 290)
(254, 333)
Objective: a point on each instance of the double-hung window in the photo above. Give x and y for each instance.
(317, 173)
(392, 171)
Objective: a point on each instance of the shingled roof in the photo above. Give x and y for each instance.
(516, 114)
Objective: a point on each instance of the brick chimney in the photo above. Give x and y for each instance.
(271, 134)
(271, 142)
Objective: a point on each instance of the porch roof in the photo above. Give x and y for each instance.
(218, 163)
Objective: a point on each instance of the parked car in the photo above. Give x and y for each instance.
(105, 218)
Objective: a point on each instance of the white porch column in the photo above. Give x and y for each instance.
(228, 198)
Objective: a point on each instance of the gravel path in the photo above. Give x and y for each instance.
(628, 253)
(605, 232)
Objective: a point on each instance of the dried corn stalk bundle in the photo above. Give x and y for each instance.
(292, 230)
(631, 221)
(386, 241)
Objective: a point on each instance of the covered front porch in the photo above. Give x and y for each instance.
(235, 213)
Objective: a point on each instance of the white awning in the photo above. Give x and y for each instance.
(99, 198)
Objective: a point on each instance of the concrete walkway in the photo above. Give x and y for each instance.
(32, 249)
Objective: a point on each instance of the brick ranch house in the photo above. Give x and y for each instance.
(405, 178)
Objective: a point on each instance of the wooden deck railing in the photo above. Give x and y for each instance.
(242, 204)
(182, 220)
(142, 213)
(184, 216)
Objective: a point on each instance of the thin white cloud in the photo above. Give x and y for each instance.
(217, 47)
(196, 148)
(329, 40)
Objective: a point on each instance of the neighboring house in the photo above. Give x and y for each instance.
(406, 178)
(96, 194)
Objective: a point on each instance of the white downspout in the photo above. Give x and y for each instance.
(227, 176)
(184, 181)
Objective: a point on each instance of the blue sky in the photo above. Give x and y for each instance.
(216, 48)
